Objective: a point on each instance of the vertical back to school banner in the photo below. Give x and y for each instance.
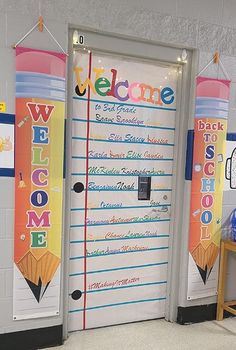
(40, 105)
(210, 128)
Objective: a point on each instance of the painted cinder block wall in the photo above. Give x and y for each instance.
(204, 24)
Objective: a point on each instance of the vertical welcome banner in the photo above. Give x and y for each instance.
(39, 131)
(210, 127)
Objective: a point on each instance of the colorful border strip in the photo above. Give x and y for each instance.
(9, 119)
(118, 304)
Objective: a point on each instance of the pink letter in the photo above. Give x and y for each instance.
(132, 97)
(35, 221)
(207, 170)
(207, 200)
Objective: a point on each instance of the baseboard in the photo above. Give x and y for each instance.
(32, 339)
(194, 314)
(200, 313)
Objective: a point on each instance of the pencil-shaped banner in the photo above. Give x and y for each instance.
(39, 129)
(210, 128)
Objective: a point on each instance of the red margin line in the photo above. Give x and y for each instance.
(86, 196)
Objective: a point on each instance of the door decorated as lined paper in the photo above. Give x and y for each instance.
(123, 127)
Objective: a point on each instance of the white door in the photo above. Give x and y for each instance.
(122, 159)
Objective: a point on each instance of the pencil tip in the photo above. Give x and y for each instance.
(203, 273)
(37, 289)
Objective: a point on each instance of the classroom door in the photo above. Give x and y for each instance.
(123, 128)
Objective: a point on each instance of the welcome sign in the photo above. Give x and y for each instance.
(210, 130)
(123, 90)
(40, 103)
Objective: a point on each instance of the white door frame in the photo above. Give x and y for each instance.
(151, 51)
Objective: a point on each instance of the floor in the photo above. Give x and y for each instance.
(156, 335)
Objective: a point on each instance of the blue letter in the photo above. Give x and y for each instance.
(39, 198)
(210, 151)
(206, 217)
(208, 185)
(40, 134)
(165, 93)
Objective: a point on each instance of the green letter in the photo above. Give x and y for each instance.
(38, 239)
(37, 160)
(102, 83)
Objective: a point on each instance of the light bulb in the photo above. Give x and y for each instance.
(75, 37)
(184, 55)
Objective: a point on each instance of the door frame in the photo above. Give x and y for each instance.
(158, 53)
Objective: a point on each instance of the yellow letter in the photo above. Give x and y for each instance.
(87, 82)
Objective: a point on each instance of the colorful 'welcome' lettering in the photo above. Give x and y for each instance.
(123, 90)
(40, 175)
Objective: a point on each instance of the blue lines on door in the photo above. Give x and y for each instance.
(119, 174)
(126, 190)
(120, 223)
(118, 304)
(116, 141)
(125, 207)
(124, 124)
(121, 159)
(117, 239)
(125, 287)
(124, 104)
(117, 253)
(158, 264)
